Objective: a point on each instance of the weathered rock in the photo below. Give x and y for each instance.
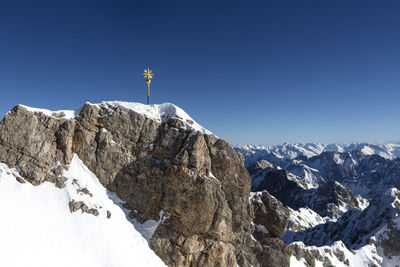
(275, 253)
(198, 181)
(58, 181)
(28, 140)
(80, 205)
(84, 191)
(270, 213)
(77, 205)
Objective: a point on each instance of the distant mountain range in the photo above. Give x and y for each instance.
(367, 169)
(335, 193)
(278, 153)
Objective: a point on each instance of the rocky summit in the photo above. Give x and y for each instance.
(163, 167)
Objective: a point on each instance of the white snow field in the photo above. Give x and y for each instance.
(38, 229)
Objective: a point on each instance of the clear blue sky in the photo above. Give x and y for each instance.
(259, 72)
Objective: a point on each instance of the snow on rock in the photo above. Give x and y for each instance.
(161, 113)
(366, 150)
(158, 112)
(310, 176)
(40, 217)
(59, 114)
(304, 218)
(338, 255)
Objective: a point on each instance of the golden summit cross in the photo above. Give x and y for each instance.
(148, 74)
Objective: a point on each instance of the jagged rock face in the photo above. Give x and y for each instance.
(354, 228)
(198, 181)
(270, 220)
(29, 141)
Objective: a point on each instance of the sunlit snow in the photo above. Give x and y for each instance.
(38, 229)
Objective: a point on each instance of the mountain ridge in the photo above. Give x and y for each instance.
(184, 189)
(388, 150)
(368, 225)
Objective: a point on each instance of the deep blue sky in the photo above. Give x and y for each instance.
(259, 72)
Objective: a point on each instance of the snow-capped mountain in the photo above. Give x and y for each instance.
(278, 153)
(319, 185)
(364, 172)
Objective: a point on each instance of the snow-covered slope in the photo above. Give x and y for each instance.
(304, 218)
(39, 228)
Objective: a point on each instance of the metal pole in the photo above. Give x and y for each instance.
(148, 94)
(148, 74)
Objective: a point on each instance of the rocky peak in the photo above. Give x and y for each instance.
(156, 158)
